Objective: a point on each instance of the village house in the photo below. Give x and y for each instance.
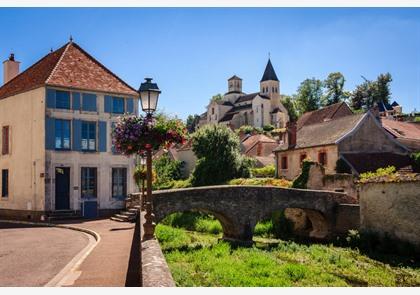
(258, 109)
(334, 133)
(407, 133)
(56, 119)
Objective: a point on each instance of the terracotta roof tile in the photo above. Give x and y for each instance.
(324, 133)
(70, 67)
(33, 77)
(324, 114)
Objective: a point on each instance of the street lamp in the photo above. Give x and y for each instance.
(149, 95)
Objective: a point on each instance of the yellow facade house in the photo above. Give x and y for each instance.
(56, 119)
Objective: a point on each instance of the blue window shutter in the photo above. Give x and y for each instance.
(102, 136)
(76, 101)
(89, 102)
(130, 105)
(50, 98)
(49, 133)
(108, 104)
(77, 135)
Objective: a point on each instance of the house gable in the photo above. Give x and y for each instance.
(368, 136)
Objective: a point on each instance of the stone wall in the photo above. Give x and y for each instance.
(392, 209)
(340, 182)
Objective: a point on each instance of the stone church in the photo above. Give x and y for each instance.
(258, 109)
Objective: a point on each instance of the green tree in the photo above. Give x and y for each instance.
(369, 93)
(382, 88)
(167, 169)
(217, 97)
(192, 122)
(289, 103)
(334, 89)
(219, 160)
(309, 94)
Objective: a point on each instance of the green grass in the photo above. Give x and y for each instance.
(200, 259)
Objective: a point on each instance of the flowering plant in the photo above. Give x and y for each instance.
(133, 135)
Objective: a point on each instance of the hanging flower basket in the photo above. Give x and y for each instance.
(134, 135)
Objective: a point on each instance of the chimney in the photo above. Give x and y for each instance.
(291, 134)
(10, 68)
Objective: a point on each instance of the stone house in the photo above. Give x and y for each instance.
(349, 138)
(56, 119)
(258, 109)
(260, 147)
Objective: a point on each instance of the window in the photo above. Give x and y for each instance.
(212, 111)
(118, 105)
(5, 140)
(322, 158)
(62, 134)
(4, 183)
(119, 183)
(89, 136)
(89, 102)
(62, 100)
(284, 162)
(302, 157)
(88, 182)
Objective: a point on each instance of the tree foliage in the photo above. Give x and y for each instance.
(309, 94)
(289, 103)
(334, 89)
(369, 93)
(192, 122)
(219, 160)
(167, 169)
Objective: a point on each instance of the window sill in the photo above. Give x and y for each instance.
(62, 150)
(89, 112)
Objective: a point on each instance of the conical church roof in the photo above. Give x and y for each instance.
(269, 73)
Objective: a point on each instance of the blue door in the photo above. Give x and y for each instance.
(90, 209)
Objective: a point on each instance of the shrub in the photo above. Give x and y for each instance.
(267, 171)
(264, 229)
(381, 172)
(341, 166)
(219, 160)
(282, 227)
(167, 169)
(280, 182)
(302, 179)
(415, 157)
(268, 128)
(194, 221)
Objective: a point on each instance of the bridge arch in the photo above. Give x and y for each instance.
(239, 208)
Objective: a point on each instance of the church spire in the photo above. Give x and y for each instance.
(269, 73)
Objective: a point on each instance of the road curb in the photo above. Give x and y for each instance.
(67, 275)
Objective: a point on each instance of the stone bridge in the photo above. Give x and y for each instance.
(239, 208)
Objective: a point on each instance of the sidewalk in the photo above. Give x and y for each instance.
(111, 263)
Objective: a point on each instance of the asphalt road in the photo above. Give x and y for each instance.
(32, 256)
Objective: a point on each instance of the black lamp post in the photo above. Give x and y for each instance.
(149, 95)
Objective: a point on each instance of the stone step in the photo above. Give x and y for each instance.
(133, 210)
(118, 219)
(128, 218)
(62, 213)
(128, 213)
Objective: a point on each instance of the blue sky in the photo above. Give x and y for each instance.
(190, 52)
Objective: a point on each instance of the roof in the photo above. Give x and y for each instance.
(250, 141)
(401, 129)
(394, 104)
(269, 73)
(265, 161)
(250, 97)
(71, 67)
(234, 77)
(225, 103)
(406, 133)
(227, 117)
(324, 114)
(364, 162)
(384, 106)
(325, 133)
